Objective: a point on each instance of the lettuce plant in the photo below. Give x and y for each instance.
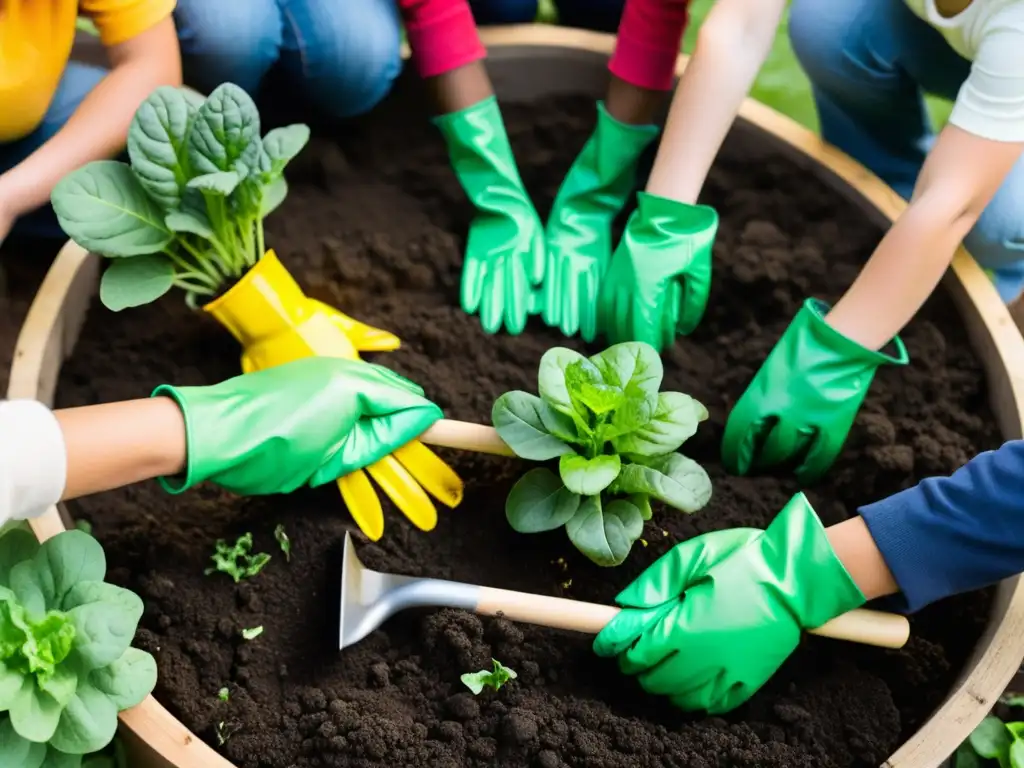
(66, 665)
(615, 437)
(188, 210)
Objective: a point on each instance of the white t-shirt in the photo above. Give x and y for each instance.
(989, 34)
(33, 460)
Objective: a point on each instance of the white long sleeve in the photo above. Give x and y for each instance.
(33, 460)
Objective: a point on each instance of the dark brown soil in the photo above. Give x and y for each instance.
(375, 224)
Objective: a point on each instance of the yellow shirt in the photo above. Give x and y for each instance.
(35, 45)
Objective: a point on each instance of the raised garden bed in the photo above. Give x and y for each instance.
(374, 225)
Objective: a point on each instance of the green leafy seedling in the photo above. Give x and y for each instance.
(237, 560)
(284, 542)
(223, 694)
(616, 438)
(66, 664)
(187, 210)
(993, 744)
(495, 678)
(252, 634)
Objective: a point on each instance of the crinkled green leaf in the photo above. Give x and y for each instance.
(105, 618)
(49, 643)
(674, 479)
(540, 502)
(605, 535)
(674, 421)
(586, 385)
(128, 680)
(158, 144)
(34, 713)
(136, 281)
(633, 366)
(588, 476)
(517, 417)
(17, 751)
(15, 545)
(553, 389)
(103, 207)
(283, 144)
(225, 126)
(219, 183)
(88, 723)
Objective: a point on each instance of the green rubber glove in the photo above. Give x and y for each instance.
(303, 423)
(802, 402)
(658, 281)
(579, 230)
(714, 618)
(505, 249)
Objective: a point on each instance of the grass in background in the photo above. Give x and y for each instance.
(781, 83)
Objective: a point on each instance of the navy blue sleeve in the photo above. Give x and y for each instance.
(953, 534)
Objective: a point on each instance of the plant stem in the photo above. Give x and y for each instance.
(187, 271)
(189, 286)
(259, 239)
(207, 264)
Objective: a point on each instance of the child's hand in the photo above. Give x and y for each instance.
(802, 402)
(303, 423)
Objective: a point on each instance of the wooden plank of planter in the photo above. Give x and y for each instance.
(529, 62)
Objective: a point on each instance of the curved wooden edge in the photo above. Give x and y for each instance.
(159, 740)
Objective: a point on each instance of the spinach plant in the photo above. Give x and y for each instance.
(615, 437)
(188, 209)
(66, 665)
(494, 678)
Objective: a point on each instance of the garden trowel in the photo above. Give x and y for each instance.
(369, 598)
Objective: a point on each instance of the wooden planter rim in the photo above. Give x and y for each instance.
(156, 739)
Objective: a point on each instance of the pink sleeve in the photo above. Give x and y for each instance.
(650, 34)
(442, 35)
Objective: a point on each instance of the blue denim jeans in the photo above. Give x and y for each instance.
(77, 82)
(870, 63)
(342, 55)
(600, 15)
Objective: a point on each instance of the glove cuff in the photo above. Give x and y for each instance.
(673, 217)
(486, 110)
(643, 135)
(180, 483)
(817, 585)
(810, 320)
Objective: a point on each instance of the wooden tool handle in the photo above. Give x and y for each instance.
(885, 630)
(466, 436)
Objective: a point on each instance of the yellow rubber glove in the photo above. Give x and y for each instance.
(276, 323)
